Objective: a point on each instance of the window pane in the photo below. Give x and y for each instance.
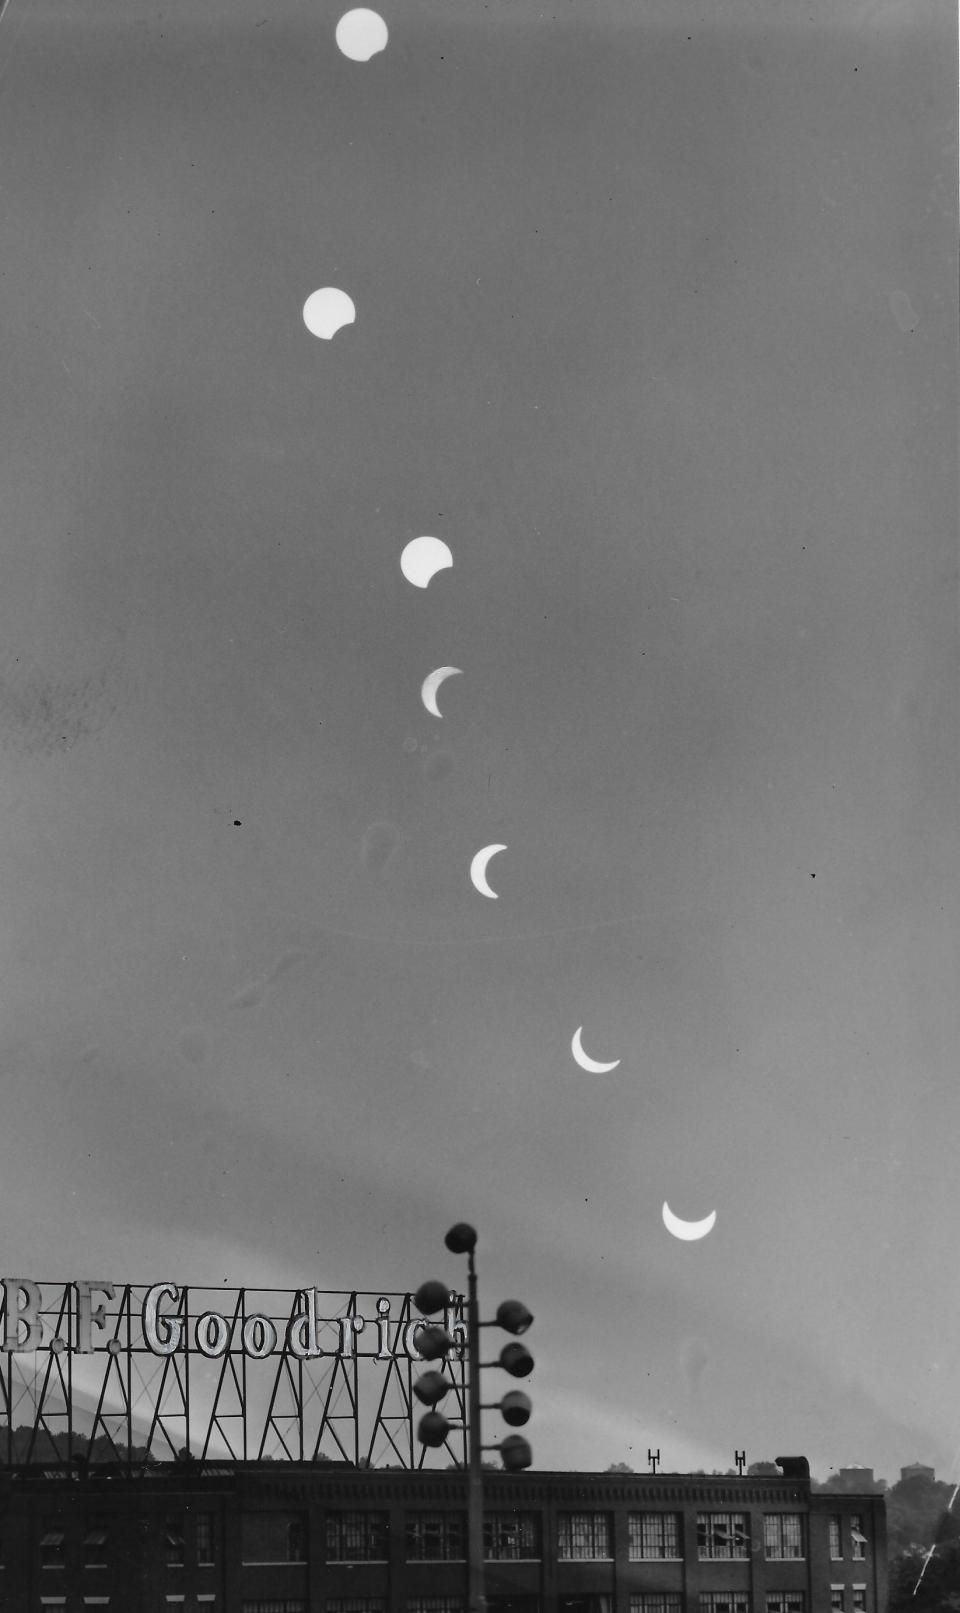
(273, 1537)
(583, 1536)
(436, 1537)
(357, 1537)
(204, 1527)
(653, 1535)
(722, 1535)
(276, 1604)
(511, 1536)
(783, 1534)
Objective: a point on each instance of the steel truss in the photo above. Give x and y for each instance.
(233, 1388)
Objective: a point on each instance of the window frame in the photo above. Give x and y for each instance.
(738, 1527)
(775, 1523)
(637, 1525)
(594, 1521)
(451, 1530)
(370, 1529)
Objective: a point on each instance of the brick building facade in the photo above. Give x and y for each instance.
(297, 1538)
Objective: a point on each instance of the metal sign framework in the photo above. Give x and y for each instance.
(232, 1388)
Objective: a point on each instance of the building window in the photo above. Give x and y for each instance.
(783, 1534)
(724, 1602)
(597, 1603)
(357, 1537)
(584, 1536)
(836, 1599)
(205, 1545)
(655, 1602)
(357, 1604)
(174, 1553)
(436, 1537)
(275, 1604)
(653, 1536)
(786, 1602)
(53, 1548)
(95, 1547)
(858, 1537)
(96, 1601)
(273, 1537)
(859, 1598)
(722, 1535)
(510, 1537)
(836, 1540)
(435, 1604)
(53, 1601)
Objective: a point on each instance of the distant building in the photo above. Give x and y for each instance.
(916, 1470)
(296, 1537)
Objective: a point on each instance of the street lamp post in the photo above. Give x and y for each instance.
(435, 1344)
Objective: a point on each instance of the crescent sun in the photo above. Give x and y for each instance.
(584, 1060)
(478, 870)
(430, 685)
(690, 1231)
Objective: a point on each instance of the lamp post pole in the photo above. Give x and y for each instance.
(476, 1591)
(435, 1343)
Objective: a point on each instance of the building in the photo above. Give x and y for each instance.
(295, 1537)
(917, 1470)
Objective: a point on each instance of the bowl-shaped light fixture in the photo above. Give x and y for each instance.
(431, 1387)
(435, 1342)
(515, 1407)
(431, 1297)
(513, 1316)
(515, 1453)
(515, 1359)
(432, 1429)
(461, 1238)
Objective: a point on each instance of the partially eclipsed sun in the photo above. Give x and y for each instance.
(478, 870)
(423, 558)
(689, 1231)
(593, 1066)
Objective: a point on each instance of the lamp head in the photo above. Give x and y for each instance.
(515, 1453)
(461, 1238)
(513, 1316)
(431, 1297)
(431, 1387)
(432, 1429)
(515, 1359)
(434, 1342)
(515, 1407)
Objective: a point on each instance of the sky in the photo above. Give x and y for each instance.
(656, 330)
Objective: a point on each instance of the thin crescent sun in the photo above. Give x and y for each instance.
(478, 870)
(430, 685)
(584, 1060)
(690, 1231)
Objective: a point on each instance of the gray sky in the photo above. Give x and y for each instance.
(656, 329)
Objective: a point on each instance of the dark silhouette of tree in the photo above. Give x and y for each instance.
(919, 1584)
(918, 1513)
